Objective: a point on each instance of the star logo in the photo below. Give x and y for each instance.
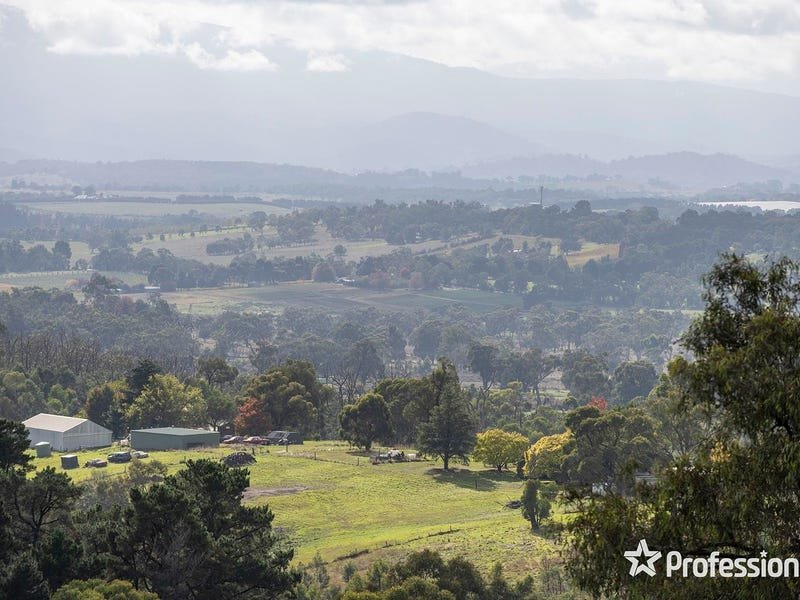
(642, 559)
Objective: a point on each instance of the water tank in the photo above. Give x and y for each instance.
(69, 461)
(42, 449)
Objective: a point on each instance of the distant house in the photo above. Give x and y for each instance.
(172, 438)
(66, 433)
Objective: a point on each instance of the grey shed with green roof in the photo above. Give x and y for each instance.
(172, 438)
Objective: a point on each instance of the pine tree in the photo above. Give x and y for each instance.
(450, 431)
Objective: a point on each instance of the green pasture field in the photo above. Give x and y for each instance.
(153, 209)
(332, 500)
(187, 246)
(328, 296)
(62, 279)
(324, 244)
(592, 250)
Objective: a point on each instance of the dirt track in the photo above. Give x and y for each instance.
(252, 493)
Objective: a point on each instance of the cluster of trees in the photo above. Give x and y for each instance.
(41, 390)
(169, 272)
(585, 376)
(595, 447)
(334, 341)
(14, 257)
(403, 223)
(230, 246)
(146, 397)
(435, 412)
(735, 488)
(425, 575)
(20, 223)
(68, 357)
(99, 339)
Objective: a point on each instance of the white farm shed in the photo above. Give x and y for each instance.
(66, 433)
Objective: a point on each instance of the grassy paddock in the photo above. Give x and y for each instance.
(331, 500)
(61, 279)
(329, 296)
(153, 209)
(592, 250)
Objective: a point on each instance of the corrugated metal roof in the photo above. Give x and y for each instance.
(53, 422)
(174, 431)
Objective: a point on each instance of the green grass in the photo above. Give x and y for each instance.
(62, 279)
(592, 251)
(152, 209)
(329, 296)
(348, 506)
(185, 245)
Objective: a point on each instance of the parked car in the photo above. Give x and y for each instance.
(139, 454)
(254, 439)
(119, 457)
(234, 439)
(96, 462)
(281, 438)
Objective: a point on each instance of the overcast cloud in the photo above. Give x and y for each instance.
(742, 42)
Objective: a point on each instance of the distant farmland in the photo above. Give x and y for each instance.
(331, 297)
(153, 209)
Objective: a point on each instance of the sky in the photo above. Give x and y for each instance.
(751, 44)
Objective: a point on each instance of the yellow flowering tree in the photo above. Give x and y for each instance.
(543, 459)
(498, 448)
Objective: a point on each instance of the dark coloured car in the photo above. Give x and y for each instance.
(280, 438)
(119, 457)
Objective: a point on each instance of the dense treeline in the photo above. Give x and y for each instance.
(169, 272)
(736, 485)
(14, 257)
(99, 337)
(55, 349)
(22, 224)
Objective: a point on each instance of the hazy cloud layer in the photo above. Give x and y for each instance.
(736, 41)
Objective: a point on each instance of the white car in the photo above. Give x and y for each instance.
(139, 454)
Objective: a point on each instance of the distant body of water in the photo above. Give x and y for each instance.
(762, 204)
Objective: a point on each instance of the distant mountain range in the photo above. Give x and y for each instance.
(427, 140)
(685, 171)
(386, 112)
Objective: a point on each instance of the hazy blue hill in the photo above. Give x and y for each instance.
(386, 111)
(179, 174)
(689, 168)
(428, 140)
(686, 169)
(679, 168)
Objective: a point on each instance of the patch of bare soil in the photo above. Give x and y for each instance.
(258, 492)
